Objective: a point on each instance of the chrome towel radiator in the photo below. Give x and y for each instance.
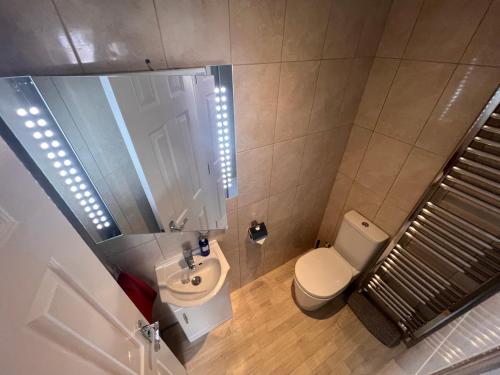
(446, 257)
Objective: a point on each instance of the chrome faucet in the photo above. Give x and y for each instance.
(188, 257)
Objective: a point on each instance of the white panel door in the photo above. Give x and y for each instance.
(171, 142)
(61, 311)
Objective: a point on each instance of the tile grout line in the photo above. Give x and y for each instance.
(370, 140)
(264, 248)
(160, 32)
(330, 10)
(475, 31)
(68, 36)
(385, 101)
(360, 57)
(413, 146)
(229, 30)
(436, 61)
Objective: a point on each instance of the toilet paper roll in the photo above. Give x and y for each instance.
(261, 241)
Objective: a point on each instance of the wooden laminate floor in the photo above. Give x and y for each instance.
(269, 334)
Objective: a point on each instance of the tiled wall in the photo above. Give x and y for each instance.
(437, 64)
(300, 68)
(473, 333)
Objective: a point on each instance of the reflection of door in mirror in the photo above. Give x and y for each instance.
(141, 150)
(82, 112)
(169, 138)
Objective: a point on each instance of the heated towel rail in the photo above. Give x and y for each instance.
(446, 257)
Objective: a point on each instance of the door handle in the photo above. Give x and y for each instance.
(151, 332)
(177, 228)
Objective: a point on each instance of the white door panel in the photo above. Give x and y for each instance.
(169, 137)
(61, 311)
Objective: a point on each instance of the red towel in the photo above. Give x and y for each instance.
(140, 293)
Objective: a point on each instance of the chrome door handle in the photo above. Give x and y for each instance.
(177, 228)
(151, 332)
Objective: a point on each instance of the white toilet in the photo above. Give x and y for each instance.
(322, 274)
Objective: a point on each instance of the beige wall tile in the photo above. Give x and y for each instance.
(234, 272)
(363, 200)
(416, 174)
(194, 32)
(312, 196)
(334, 210)
(246, 214)
(398, 27)
(171, 244)
(231, 203)
(33, 40)
(228, 242)
(332, 80)
(254, 174)
(277, 245)
(113, 35)
(296, 94)
(256, 30)
(382, 162)
(444, 28)
(256, 92)
(251, 261)
(140, 261)
(484, 46)
(305, 29)
(310, 202)
(322, 154)
(314, 158)
(335, 151)
(228, 239)
(390, 217)
(377, 87)
(354, 89)
(281, 206)
(287, 158)
(344, 28)
(375, 16)
(465, 96)
(413, 95)
(251, 255)
(354, 151)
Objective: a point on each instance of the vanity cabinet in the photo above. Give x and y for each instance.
(199, 320)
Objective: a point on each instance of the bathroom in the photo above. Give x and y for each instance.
(347, 125)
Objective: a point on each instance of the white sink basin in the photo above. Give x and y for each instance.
(175, 279)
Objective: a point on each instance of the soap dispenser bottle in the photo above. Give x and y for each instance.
(204, 246)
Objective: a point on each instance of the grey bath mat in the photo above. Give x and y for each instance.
(374, 320)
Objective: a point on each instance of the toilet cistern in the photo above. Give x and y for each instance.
(322, 274)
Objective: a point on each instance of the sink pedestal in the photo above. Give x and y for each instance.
(199, 320)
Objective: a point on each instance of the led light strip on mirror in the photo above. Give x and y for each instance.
(48, 146)
(226, 136)
(223, 132)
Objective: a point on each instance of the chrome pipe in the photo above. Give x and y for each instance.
(472, 187)
(465, 223)
(477, 165)
(452, 236)
(476, 177)
(436, 253)
(389, 271)
(470, 198)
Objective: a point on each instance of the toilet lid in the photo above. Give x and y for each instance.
(323, 272)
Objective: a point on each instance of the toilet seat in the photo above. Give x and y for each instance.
(323, 273)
